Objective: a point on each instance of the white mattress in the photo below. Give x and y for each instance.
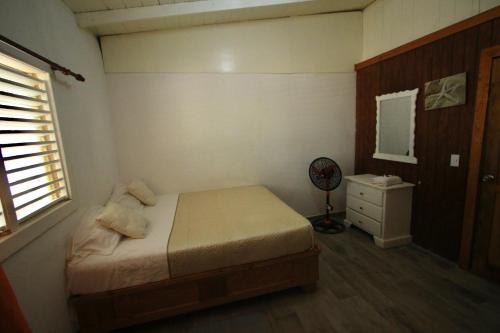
(134, 261)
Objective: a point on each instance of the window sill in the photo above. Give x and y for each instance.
(33, 228)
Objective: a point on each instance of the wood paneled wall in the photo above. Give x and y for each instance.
(440, 192)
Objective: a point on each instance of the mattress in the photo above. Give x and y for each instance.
(134, 261)
(226, 227)
(197, 232)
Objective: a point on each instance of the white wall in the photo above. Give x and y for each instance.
(305, 44)
(187, 132)
(391, 23)
(36, 272)
(192, 130)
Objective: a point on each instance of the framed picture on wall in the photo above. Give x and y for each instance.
(445, 92)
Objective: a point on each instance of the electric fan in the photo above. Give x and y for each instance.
(325, 174)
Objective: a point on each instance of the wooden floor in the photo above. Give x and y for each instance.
(362, 288)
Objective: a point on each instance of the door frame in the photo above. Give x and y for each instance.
(476, 149)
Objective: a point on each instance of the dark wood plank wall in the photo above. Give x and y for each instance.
(440, 192)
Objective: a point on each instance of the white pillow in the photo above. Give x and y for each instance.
(131, 202)
(118, 190)
(124, 220)
(139, 190)
(91, 238)
(120, 196)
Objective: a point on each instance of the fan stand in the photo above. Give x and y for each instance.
(326, 225)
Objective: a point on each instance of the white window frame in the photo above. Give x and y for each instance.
(38, 224)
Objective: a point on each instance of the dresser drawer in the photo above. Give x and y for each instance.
(364, 192)
(364, 207)
(364, 222)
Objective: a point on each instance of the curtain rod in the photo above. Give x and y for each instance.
(53, 65)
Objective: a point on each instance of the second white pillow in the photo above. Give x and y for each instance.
(140, 190)
(124, 220)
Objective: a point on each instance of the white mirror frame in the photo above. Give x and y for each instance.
(392, 157)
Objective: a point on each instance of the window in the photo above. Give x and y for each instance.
(32, 171)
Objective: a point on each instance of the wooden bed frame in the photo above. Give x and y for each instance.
(101, 312)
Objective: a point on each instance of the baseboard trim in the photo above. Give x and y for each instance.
(392, 242)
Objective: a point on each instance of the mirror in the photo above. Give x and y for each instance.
(396, 126)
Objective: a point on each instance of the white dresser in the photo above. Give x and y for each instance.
(384, 212)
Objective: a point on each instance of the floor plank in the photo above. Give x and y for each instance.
(362, 288)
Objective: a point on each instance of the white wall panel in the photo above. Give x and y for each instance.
(426, 17)
(388, 24)
(487, 4)
(465, 9)
(318, 43)
(37, 271)
(188, 132)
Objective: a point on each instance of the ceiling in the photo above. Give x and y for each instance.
(82, 6)
(111, 17)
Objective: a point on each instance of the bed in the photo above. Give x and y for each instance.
(202, 249)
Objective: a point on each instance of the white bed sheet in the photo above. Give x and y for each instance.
(134, 261)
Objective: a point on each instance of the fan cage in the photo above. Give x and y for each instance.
(325, 173)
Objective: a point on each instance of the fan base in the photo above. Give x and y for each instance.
(328, 226)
